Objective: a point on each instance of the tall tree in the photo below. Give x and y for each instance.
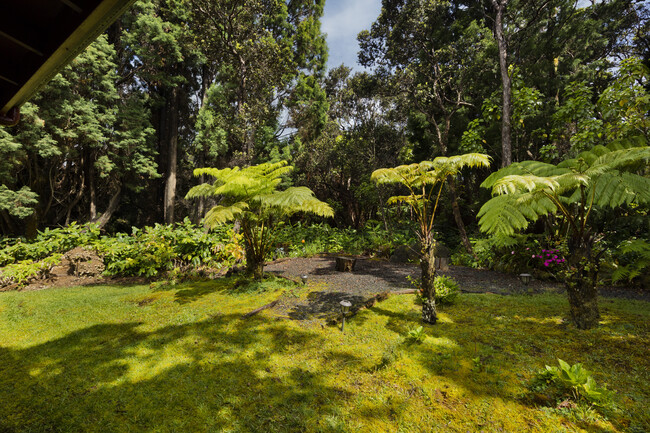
(434, 52)
(161, 56)
(76, 147)
(257, 50)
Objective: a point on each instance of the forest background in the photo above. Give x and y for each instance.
(180, 84)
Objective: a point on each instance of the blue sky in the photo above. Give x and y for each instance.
(342, 21)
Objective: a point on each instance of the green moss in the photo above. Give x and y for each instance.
(182, 358)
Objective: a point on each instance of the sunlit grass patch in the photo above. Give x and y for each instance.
(183, 358)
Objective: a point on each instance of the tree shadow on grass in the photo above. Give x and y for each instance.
(323, 305)
(209, 376)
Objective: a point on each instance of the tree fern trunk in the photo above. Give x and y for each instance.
(583, 303)
(580, 282)
(428, 267)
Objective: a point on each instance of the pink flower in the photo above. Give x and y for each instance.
(512, 252)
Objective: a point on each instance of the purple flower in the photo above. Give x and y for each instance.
(546, 263)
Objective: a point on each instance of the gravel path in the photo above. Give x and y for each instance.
(326, 287)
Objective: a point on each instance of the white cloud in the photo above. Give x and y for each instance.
(342, 21)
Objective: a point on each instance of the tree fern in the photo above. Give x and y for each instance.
(250, 195)
(610, 177)
(424, 182)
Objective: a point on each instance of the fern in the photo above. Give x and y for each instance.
(597, 177)
(250, 194)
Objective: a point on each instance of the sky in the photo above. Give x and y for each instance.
(342, 21)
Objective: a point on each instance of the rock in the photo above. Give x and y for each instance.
(81, 261)
(406, 254)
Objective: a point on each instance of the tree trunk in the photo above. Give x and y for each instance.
(254, 259)
(428, 288)
(506, 144)
(458, 218)
(170, 181)
(580, 282)
(92, 190)
(108, 213)
(583, 302)
(254, 266)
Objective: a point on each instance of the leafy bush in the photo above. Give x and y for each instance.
(415, 335)
(633, 258)
(153, 250)
(299, 240)
(573, 382)
(446, 289)
(25, 271)
(47, 242)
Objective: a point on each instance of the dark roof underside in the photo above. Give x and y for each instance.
(39, 37)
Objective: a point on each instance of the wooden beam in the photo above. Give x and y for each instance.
(21, 41)
(72, 6)
(98, 19)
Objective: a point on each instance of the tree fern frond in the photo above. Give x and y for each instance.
(203, 190)
(223, 214)
(505, 214)
(408, 199)
(533, 168)
(294, 199)
(624, 158)
(514, 183)
(612, 190)
(501, 215)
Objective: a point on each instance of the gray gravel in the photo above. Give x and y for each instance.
(327, 287)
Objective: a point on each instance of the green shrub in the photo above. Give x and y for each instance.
(25, 271)
(572, 382)
(303, 240)
(415, 335)
(154, 250)
(47, 242)
(446, 289)
(633, 261)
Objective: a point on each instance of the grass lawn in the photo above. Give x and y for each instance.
(182, 359)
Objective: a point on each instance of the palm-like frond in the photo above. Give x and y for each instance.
(408, 199)
(222, 214)
(533, 168)
(251, 189)
(613, 189)
(514, 183)
(505, 214)
(295, 199)
(203, 190)
(602, 176)
(429, 172)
